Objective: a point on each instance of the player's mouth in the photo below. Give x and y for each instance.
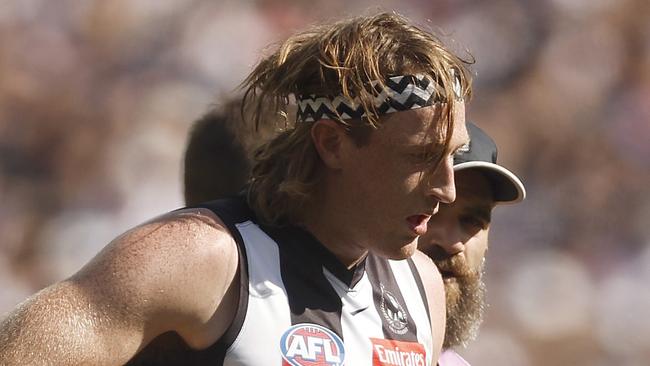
(447, 274)
(449, 277)
(452, 268)
(418, 223)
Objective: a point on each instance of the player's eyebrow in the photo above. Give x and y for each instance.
(437, 145)
(429, 146)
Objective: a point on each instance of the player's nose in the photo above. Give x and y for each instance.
(441, 183)
(443, 235)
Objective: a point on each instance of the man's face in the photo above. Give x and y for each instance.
(388, 187)
(457, 241)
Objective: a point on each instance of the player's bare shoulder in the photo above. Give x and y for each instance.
(190, 236)
(426, 265)
(435, 290)
(176, 270)
(431, 277)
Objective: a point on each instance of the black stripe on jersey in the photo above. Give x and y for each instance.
(312, 299)
(231, 211)
(397, 323)
(418, 281)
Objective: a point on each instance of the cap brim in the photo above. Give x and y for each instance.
(508, 188)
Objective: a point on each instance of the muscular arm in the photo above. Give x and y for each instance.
(173, 273)
(435, 291)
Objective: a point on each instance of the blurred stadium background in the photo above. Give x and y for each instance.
(96, 98)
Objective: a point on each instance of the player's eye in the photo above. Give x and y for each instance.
(425, 157)
(473, 222)
(461, 149)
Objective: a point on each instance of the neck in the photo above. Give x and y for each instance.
(325, 220)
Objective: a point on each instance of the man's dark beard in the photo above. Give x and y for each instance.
(465, 300)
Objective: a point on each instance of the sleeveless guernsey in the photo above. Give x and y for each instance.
(299, 306)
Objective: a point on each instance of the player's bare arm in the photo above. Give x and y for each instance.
(435, 291)
(172, 273)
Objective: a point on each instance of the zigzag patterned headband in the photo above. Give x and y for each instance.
(401, 93)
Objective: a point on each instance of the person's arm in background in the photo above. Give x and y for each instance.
(173, 273)
(435, 291)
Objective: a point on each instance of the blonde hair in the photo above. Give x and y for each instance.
(342, 58)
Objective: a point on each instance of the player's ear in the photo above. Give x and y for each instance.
(329, 137)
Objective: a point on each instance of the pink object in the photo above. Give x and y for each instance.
(451, 358)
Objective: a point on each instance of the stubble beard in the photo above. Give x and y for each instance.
(465, 299)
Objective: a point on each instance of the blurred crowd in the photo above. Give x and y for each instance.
(96, 99)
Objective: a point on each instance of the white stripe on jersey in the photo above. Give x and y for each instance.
(410, 290)
(268, 314)
(359, 318)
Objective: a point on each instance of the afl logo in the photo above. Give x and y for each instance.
(311, 345)
(393, 312)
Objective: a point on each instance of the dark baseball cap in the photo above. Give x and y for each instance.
(481, 153)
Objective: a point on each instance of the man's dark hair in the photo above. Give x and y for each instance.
(216, 164)
(219, 153)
